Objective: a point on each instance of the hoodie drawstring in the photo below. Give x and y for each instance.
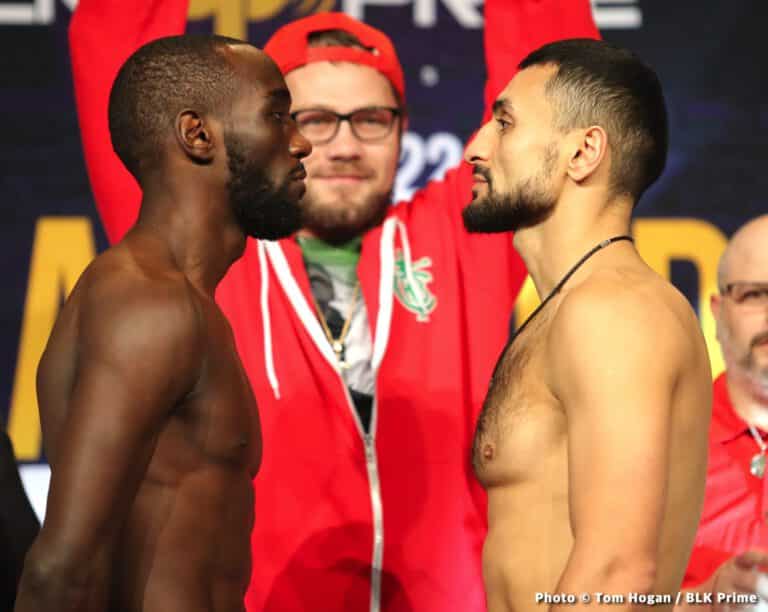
(269, 357)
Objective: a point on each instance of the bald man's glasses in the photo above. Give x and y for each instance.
(747, 294)
(371, 124)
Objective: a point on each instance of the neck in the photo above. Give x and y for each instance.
(552, 247)
(748, 397)
(194, 225)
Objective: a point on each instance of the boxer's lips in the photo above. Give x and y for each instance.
(298, 174)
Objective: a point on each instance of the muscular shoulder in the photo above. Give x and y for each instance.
(126, 312)
(632, 324)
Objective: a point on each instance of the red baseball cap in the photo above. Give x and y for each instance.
(289, 47)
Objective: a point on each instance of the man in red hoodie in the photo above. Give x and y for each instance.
(370, 337)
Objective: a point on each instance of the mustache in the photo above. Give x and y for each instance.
(344, 168)
(482, 171)
(759, 339)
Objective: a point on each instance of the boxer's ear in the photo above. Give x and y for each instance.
(195, 136)
(591, 148)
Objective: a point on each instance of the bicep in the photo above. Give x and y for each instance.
(101, 454)
(616, 386)
(134, 367)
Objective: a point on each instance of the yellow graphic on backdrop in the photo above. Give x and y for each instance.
(659, 241)
(62, 248)
(231, 17)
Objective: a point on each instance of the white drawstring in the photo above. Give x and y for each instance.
(386, 290)
(271, 251)
(266, 321)
(421, 299)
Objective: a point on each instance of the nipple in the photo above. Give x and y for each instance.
(488, 452)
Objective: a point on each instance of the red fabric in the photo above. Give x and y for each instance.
(103, 34)
(514, 28)
(735, 517)
(288, 47)
(312, 540)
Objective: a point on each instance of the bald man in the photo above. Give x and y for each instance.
(730, 554)
(148, 419)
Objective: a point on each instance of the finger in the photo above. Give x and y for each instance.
(751, 558)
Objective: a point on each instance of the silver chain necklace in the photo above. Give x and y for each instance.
(757, 463)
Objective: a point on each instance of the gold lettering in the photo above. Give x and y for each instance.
(230, 17)
(62, 248)
(659, 241)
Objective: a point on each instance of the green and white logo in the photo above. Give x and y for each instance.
(419, 299)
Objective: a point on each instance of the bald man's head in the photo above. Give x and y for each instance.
(741, 308)
(746, 250)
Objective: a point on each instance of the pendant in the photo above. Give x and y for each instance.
(757, 465)
(340, 350)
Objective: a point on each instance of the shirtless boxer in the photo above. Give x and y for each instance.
(148, 420)
(592, 440)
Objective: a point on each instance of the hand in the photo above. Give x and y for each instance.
(744, 573)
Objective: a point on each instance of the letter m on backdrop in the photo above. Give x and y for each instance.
(62, 248)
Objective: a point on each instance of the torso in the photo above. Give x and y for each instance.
(520, 456)
(185, 542)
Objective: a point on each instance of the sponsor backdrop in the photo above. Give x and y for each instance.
(709, 56)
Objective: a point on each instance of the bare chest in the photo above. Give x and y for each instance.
(520, 433)
(218, 423)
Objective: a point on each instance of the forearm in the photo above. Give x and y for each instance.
(47, 584)
(593, 574)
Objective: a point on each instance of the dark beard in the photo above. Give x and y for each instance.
(335, 226)
(502, 213)
(262, 210)
(527, 207)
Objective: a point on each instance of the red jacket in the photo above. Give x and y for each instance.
(734, 518)
(394, 520)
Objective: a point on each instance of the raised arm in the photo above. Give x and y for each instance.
(137, 358)
(615, 363)
(102, 34)
(514, 28)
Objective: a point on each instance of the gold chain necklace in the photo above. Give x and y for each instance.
(337, 344)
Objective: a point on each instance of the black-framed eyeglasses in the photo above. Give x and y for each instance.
(751, 294)
(370, 124)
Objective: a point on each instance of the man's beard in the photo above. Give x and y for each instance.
(758, 373)
(348, 215)
(743, 365)
(530, 205)
(262, 209)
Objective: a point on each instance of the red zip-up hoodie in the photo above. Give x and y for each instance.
(392, 520)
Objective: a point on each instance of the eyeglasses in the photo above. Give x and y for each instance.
(747, 294)
(370, 124)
